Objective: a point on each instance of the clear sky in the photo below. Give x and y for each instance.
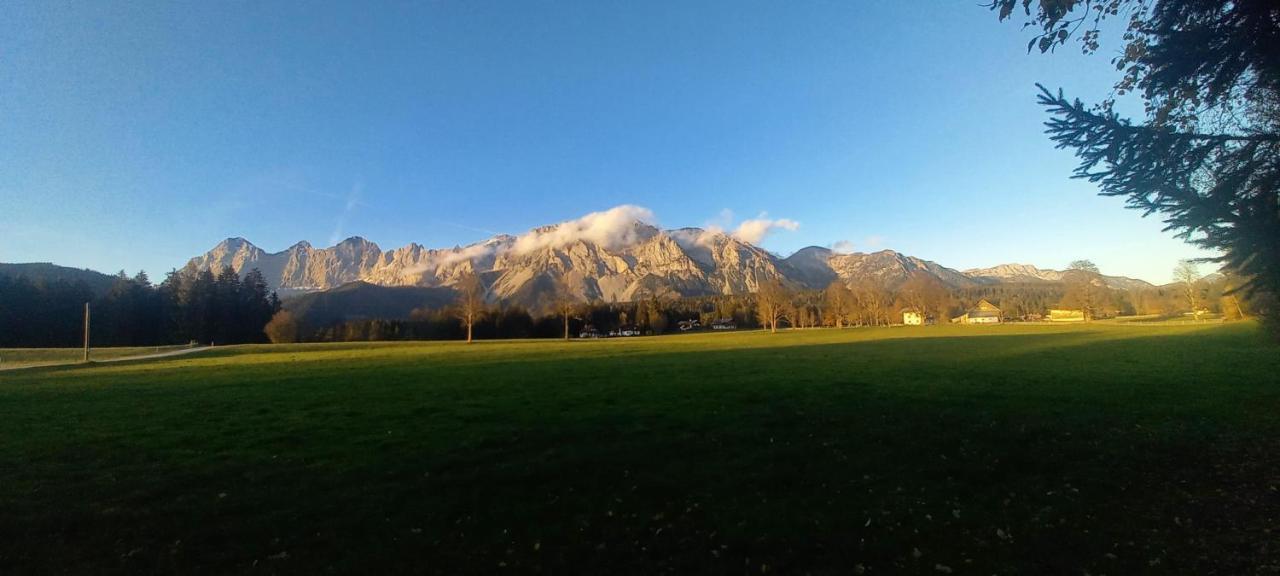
(138, 134)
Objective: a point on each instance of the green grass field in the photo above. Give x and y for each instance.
(24, 357)
(966, 450)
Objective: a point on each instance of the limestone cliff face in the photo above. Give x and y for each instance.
(640, 262)
(651, 263)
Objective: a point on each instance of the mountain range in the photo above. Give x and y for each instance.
(597, 260)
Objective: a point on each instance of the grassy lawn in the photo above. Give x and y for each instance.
(15, 357)
(967, 450)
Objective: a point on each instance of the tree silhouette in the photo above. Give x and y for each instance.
(1205, 156)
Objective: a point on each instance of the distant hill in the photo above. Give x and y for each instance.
(1026, 273)
(38, 272)
(362, 300)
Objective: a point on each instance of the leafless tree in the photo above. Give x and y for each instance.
(470, 302)
(566, 304)
(873, 301)
(1084, 287)
(837, 303)
(772, 301)
(1188, 276)
(923, 293)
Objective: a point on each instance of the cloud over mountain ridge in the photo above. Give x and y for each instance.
(617, 254)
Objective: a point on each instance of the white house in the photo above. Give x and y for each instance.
(912, 318)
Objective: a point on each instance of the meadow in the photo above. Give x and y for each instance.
(25, 357)
(1099, 449)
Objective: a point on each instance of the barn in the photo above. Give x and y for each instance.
(982, 313)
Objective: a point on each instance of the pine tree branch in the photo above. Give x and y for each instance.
(1058, 105)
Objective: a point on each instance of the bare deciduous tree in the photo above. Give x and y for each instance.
(772, 301)
(873, 301)
(1084, 288)
(470, 302)
(566, 304)
(923, 293)
(1187, 274)
(837, 303)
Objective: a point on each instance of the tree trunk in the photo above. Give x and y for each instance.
(566, 326)
(469, 323)
(1239, 310)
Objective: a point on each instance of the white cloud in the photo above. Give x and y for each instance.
(842, 247)
(612, 228)
(446, 258)
(755, 230)
(472, 252)
(873, 241)
(690, 237)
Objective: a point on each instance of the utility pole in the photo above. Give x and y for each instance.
(86, 331)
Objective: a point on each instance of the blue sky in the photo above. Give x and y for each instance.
(138, 134)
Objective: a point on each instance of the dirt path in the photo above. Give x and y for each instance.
(107, 360)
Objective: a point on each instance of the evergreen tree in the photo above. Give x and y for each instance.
(1204, 158)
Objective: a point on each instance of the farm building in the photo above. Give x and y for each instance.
(625, 330)
(1059, 315)
(983, 313)
(724, 324)
(912, 318)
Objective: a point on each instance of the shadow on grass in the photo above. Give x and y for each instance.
(1054, 452)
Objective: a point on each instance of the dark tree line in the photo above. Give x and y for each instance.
(649, 316)
(187, 306)
(41, 314)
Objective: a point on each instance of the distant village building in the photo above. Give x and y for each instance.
(724, 324)
(912, 318)
(1061, 315)
(984, 313)
(625, 330)
(687, 325)
(590, 331)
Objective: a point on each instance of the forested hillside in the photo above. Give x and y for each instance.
(47, 310)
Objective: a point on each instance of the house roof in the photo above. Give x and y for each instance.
(984, 306)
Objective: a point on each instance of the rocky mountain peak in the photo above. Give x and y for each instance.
(612, 260)
(234, 244)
